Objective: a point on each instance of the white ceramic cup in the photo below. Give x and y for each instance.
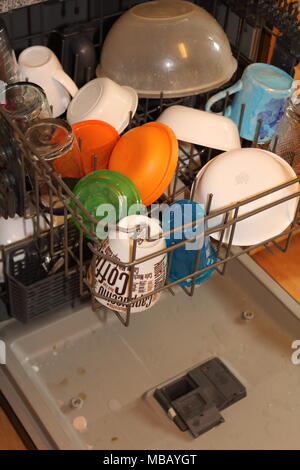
(113, 281)
(38, 64)
(103, 99)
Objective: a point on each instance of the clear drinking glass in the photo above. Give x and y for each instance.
(25, 102)
(53, 139)
(288, 134)
(9, 71)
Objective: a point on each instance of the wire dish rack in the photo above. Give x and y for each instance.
(191, 159)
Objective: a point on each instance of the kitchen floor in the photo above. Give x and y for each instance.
(9, 438)
(283, 267)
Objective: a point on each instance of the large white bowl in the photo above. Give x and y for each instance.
(202, 128)
(103, 99)
(239, 174)
(174, 47)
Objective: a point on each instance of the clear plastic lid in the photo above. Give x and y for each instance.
(168, 46)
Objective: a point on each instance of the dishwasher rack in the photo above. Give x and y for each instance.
(191, 159)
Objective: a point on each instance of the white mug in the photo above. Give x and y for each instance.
(112, 280)
(38, 64)
(103, 99)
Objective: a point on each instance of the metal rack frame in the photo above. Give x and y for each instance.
(57, 188)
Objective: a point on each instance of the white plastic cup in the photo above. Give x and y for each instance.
(113, 280)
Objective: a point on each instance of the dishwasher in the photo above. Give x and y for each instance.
(213, 366)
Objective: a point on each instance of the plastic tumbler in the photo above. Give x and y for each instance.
(184, 220)
(97, 140)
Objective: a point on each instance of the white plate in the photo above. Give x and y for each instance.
(240, 174)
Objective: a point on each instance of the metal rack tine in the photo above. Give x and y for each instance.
(161, 102)
(274, 146)
(257, 133)
(209, 203)
(242, 113)
(76, 67)
(226, 218)
(130, 119)
(229, 245)
(225, 103)
(95, 162)
(131, 279)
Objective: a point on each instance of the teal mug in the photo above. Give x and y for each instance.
(263, 89)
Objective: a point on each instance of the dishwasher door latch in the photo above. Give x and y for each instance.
(194, 401)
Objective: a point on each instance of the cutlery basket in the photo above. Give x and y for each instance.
(31, 290)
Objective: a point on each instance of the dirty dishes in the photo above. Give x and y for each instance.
(96, 140)
(103, 99)
(148, 155)
(108, 196)
(174, 47)
(241, 174)
(201, 128)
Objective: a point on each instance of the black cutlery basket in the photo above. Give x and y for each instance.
(31, 290)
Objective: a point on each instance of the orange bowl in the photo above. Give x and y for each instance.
(148, 155)
(96, 138)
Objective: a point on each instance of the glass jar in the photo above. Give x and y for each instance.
(25, 103)
(286, 142)
(53, 140)
(9, 70)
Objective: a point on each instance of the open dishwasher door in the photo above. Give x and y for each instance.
(81, 381)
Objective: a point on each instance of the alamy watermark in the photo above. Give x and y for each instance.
(295, 357)
(178, 221)
(2, 352)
